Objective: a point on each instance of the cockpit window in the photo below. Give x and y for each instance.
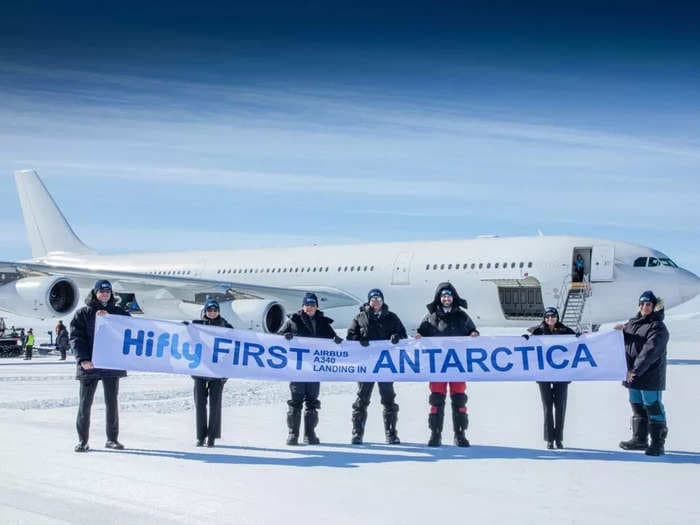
(653, 261)
(640, 261)
(668, 262)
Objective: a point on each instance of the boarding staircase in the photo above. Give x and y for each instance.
(575, 303)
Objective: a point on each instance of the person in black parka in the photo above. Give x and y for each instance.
(375, 322)
(62, 340)
(208, 388)
(447, 318)
(100, 301)
(646, 337)
(307, 322)
(553, 393)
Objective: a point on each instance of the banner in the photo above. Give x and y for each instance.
(127, 343)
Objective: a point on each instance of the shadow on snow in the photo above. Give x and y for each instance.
(352, 456)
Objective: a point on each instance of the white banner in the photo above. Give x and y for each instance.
(127, 343)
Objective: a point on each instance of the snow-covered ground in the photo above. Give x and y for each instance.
(252, 477)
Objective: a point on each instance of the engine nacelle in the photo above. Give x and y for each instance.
(43, 297)
(254, 314)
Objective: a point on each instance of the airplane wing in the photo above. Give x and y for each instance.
(182, 287)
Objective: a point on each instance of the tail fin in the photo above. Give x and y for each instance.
(47, 228)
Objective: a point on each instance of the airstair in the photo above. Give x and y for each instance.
(575, 303)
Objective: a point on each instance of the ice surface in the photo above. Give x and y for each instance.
(252, 477)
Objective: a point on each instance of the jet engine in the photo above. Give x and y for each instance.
(254, 314)
(43, 297)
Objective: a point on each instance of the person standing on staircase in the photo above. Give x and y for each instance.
(579, 266)
(646, 337)
(375, 322)
(307, 322)
(447, 318)
(553, 393)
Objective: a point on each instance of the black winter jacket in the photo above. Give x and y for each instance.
(82, 333)
(368, 326)
(645, 349)
(437, 322)
(299, 324)
(62, 341)
(558, 329)
(218, 321)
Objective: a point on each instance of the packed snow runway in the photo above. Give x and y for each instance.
(252, 477)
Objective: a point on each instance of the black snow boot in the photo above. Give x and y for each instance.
(640, 430)
(391, 416)
(359, 418)
(658, 431)
(460, 420)
(82, 447)
(435, 422)
(293, 422)
(310, 422)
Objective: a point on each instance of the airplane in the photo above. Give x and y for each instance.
(507, 281)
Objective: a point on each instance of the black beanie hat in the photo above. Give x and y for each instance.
(648, 297)
(310, 298)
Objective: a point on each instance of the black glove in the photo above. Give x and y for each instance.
(363, 342)
(337, 340)
(578, 334)
(526, 337)
(185, 322)
(394, 338)
(288, 336)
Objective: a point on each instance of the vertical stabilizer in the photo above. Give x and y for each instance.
(47, 228)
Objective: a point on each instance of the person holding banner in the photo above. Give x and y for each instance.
(375, 323)
(208, 388)
(307, 322)
(446, 318)
(100, 301)
(646, 337)
(553, 393)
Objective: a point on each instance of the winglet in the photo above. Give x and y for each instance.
(47, 228)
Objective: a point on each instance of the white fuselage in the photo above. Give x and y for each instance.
(408, 274)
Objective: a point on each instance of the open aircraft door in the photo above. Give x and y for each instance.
(401, 273)
(602, 262)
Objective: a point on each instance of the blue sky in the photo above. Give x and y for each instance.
(173, 126)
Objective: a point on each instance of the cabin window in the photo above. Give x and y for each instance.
(529, 265)
(481, 265)
(495, 265)
(653, 262)
(488, 265)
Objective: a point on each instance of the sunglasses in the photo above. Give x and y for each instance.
(550, 316)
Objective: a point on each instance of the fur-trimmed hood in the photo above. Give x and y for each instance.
(457, 301)
(91, 299)
(658, 314)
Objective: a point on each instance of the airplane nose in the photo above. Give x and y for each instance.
(690, 287)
